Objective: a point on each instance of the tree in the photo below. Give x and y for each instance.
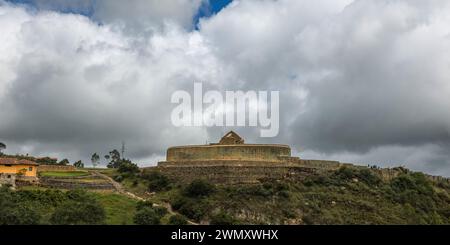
(63, 162)
(47, 161)
(2, 147)
(126, 166)
(115, 159)
(95, 159)
(156, 181)
(79, 164)
(78, 213)
(79, 208)
(147, 216)
(14, 211)
(199, 188)
(177, 219)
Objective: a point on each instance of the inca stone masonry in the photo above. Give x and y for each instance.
(231, 161)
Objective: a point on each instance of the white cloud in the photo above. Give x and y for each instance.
(363, 81)
(134, 16)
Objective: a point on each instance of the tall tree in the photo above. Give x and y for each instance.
(95, 159)
(2, 147)
(63, 162)
(115, 159)
(79, 164)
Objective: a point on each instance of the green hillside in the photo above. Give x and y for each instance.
(347, 196)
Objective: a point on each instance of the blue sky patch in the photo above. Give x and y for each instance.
(207, 9)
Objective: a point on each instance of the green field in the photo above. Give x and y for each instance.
(119, 209)
(64, 173)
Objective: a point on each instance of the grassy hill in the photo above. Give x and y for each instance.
(347, 196)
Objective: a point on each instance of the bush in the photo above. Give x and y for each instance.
(147, 216)
(369, 177)
(157, 181)
(177, 219)
(118, 178)
(126, 166)
(199, 188)
(414, 189)
(222, 218)
(365, 175)
(19, 214)
(78, 213)
(256, 190)
(161, 211)
(191, 208)
(416, 182)
(144, 204)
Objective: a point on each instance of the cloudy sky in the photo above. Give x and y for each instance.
(364, 81)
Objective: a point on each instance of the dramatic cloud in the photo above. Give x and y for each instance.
(361, 81)
(71, 86)
(136, 16)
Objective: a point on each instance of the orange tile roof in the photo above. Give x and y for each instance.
(15, 161)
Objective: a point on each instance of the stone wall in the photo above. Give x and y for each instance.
(7, 179)
(248, 172)
(228, 152)
(75, 183)
(243, 172)
(56, 168)
(233, 174)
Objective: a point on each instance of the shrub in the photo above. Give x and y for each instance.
(222, 218)
(144, 204)
(199, 188)
(78, 213)
(415, 181)
(126, 166)
(191, 208)
(118, 178)
(369, 177)
(161, 211)
(414, 189)
(177, 219)
(284, 194)
(255, 190)
(345, 173)
(147, 216)
(157, 181)
(365, 175)
(17, 214)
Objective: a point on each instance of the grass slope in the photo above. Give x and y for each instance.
(119, 209)
(348, 196)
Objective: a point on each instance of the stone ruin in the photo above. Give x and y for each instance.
(231, 161)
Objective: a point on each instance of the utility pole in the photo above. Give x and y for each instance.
(123, 149)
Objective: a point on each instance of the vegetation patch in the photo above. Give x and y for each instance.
(64, 174)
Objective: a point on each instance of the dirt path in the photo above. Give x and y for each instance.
(119, 188)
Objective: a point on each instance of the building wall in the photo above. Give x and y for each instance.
(7, 179)
(228, 152)
(15, 169)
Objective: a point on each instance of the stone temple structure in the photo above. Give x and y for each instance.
(232, 161)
